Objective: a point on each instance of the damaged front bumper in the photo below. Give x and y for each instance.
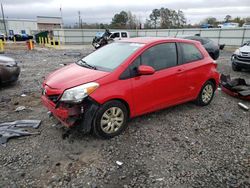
(71, 115)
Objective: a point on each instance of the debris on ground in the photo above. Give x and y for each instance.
(244, 107)
(73, 53)
(23, 95)
(20, 108)
(159, 179)
(15, 129)
(235, 87)
(119, 163)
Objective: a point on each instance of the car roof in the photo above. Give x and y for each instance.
(118, 31)
(148, 40)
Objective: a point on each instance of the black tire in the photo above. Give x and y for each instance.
(101, 116)
(201, 99)
(235, 67)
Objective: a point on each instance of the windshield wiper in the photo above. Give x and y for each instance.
(85, 64)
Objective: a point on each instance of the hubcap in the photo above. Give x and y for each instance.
(207, 93)
(112, 119)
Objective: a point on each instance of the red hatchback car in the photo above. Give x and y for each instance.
(127, 79)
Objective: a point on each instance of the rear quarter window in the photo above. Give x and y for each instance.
(190, 53)
(124, 35)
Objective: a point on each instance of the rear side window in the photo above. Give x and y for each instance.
(124, 35)
(160, 56)
(190, 53)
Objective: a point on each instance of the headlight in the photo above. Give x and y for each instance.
(237, 52)
(77, 94)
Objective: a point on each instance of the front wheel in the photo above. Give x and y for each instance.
(110, 119)
(206, 94)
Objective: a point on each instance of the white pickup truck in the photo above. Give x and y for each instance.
(118, 35)
(103, 38)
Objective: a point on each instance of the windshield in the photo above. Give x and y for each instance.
(99, 34)
(110, 56)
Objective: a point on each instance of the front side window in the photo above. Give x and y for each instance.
(190, 53)
(115, 35)
(160, 56)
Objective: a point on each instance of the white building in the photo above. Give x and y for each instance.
(24, 26)
(30, 26)
(48, 23)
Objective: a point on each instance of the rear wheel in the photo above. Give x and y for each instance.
(206, 94)
(111, 119)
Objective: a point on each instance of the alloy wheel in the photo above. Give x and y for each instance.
(112, 120)
(207, 93)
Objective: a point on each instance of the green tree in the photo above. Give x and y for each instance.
(154, 17)
(238, 20)
(172, 18)
(227, 18)
(120, 20)
(210, 20)
(132, 21)
(181, 19)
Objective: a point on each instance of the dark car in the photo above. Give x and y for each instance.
(241, 57)
(21, 37)
(212, 48)
(3, 37)
(101, 39)
(9, 70)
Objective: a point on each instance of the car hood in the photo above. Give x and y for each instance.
(72, 75)
(245, 49)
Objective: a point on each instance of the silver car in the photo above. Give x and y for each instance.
(241, 57)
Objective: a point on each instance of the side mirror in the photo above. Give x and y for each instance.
(145, 70)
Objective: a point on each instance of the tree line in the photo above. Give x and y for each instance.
(228, 18)
(158, 18)
(163, 18)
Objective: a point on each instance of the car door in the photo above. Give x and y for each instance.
(143, 92)
(165, 86)
(170, 78)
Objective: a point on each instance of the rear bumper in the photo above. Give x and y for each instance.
(10, 74)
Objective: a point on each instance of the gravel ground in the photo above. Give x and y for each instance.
(182, 146)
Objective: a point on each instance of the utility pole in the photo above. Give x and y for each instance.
(79, 14)
(61, 16)
(4, 20)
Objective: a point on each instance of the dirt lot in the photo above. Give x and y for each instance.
(183, 146)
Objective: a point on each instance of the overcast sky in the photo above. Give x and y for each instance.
(93, 11)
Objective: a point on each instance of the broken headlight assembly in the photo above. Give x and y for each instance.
(78, 93)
